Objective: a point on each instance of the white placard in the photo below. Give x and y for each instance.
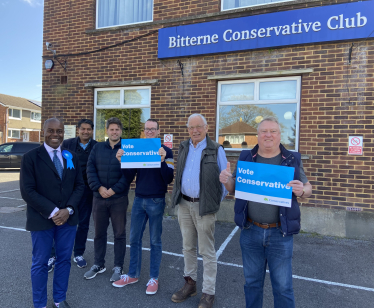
(70, 131)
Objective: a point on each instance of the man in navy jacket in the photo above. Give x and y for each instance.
(51, 184)
(267, 230)
(82, 146)
(149, 203)
(110, 188)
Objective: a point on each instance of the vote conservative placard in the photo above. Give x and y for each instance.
(264, 183)
(141, 153)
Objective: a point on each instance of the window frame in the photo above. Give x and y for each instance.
(32, 120)
(14, 118)
(10, 130)
(257, 101)
(133, 23)
(121, 98)
(242, 7)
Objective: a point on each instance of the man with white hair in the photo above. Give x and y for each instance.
(267, 230)
(198, 192)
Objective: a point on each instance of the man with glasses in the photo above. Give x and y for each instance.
(198, 192)
(149, 204)
(266, 223)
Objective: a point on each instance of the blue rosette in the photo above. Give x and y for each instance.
(69, 159)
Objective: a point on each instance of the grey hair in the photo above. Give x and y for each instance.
(197, 115)
(51, 120)
(269, 119)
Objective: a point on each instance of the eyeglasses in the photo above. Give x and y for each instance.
(199, 127)
(150, 129)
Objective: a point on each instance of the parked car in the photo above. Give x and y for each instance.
(11, 153)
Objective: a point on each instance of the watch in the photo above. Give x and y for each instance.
(71, 211)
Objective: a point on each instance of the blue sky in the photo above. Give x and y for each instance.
(21, 37)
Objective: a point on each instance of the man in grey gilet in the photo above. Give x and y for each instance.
(198, 192)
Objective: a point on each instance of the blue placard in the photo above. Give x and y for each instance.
(141, 153)
(264, 183)
(319, 24)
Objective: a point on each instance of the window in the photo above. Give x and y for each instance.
(242, 104)
(14, 114)
(131, 105)
(36, 116)
(6, 148)
(111, 13)
(13, 133)
(235, 4)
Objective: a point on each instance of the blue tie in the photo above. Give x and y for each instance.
(57, 164)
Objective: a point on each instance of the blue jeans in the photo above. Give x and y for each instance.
(142, 210)
(267, 246)
(63, 237)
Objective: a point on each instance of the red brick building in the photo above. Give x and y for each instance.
(20, 119)
(325, 89)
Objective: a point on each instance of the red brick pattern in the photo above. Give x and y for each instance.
(329, 112)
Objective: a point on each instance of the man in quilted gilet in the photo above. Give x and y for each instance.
(198, 193)
(267, 230)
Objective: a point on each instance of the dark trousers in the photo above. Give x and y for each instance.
(63, 236)
(84, 212)
(102, 211)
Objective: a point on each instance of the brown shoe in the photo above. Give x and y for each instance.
(206, 301)
(189, 289)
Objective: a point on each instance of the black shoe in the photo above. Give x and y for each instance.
(63, 304)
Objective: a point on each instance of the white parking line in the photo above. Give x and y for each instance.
(224, 244)
(22, 205)
(332, 283)
(10, 198)
(1, 192)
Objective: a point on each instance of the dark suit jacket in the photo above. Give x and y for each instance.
(43, 190)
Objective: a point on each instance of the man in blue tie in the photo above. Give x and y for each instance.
(51, 183)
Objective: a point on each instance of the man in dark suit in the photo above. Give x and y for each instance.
(82, 146)
(51, 184)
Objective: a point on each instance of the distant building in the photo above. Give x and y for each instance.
(238, 133)
(20, 119)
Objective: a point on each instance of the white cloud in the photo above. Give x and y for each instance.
(39, 85)
(34, 2)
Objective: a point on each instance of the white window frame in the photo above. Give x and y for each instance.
(121, 99)
(20, 113)
(133, 23)
(257, 101)
(10, 130)
(32, 120)
(241, 7)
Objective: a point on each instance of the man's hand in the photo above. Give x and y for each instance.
(110, 192)
(60, 217)
(119, 154)
(297, 187)
(104, 192)
(162, 153)
(225, 175)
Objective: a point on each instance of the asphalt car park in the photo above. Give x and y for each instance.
(328, 272)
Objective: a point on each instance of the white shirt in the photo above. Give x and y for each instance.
(59, 155)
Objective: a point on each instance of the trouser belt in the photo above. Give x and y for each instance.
(264, 226)
(190, 199)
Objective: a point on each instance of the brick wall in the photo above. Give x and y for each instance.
(3, 113)
(329, 113)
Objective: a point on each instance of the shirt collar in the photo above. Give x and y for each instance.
(201, 143)
(50, 150)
